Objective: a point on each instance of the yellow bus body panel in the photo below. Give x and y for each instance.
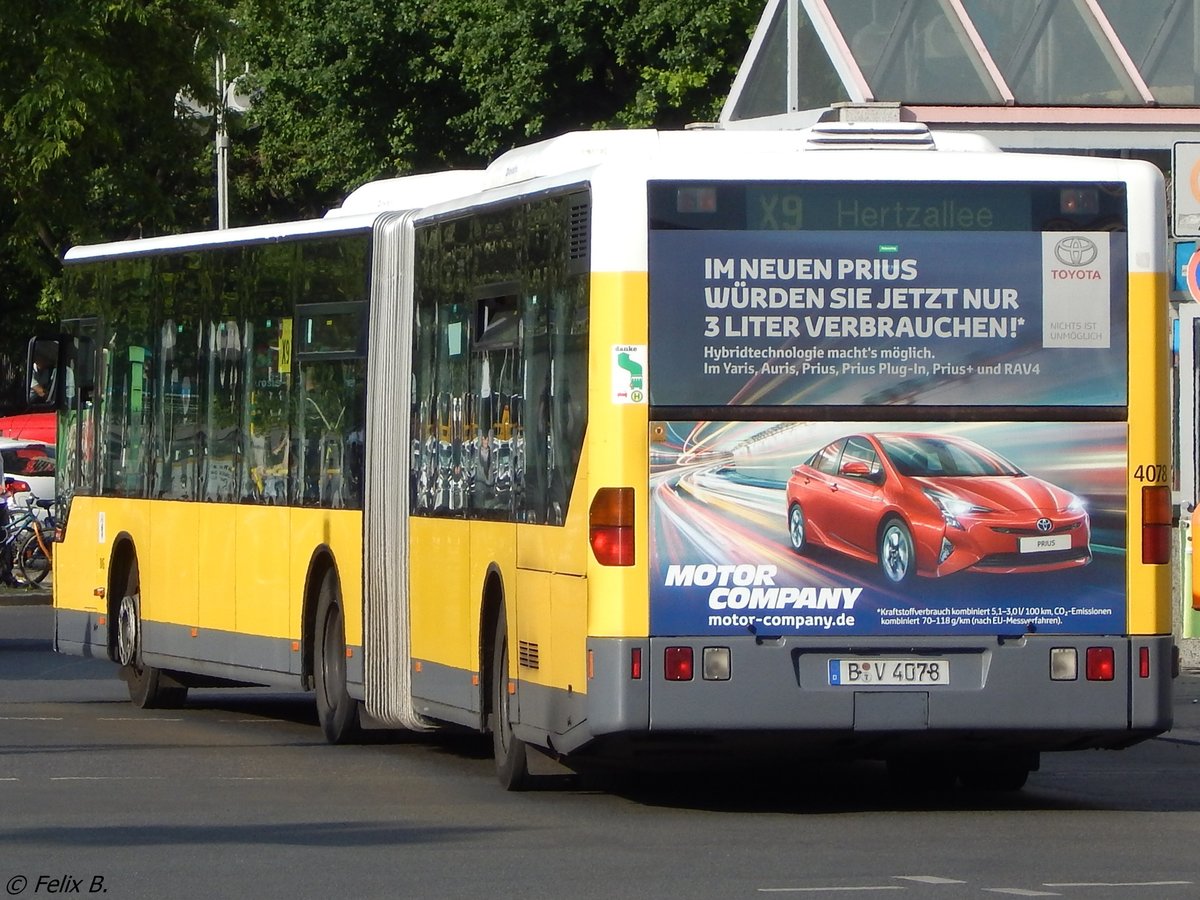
(619, 452)
(491, 543)
(341, 531)
(81, 561)
(170, 564)
(560, 548)
(217, 537)
(210, 566)
(265, 580)
(1148, 587)
(568, 637)
(439, 580)
(534, 628)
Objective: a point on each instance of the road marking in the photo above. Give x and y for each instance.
(135, 719)
(107, 778)
(1072, 884)
(865, 887)
(1022, 892)
(929, 879)
(30, 718)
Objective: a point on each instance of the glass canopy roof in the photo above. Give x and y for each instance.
(1048, 53)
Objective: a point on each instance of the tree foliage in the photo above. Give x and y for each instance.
(350, 90)
(90, 143)
(94, 144)
(90, 134)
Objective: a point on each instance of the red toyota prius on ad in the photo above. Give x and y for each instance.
(932, 505)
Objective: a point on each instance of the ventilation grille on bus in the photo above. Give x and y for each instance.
(869, 135)
(529, 652)
(580, 226)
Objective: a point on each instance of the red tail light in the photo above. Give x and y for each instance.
(678, 664)
(14, 486)
(610, 522)
(1156, 525)
(1144, 662)
(1101, 664)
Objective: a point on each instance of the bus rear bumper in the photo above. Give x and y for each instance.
(996, 691)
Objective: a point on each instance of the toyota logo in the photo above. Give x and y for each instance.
(1076, 251)
(1044, 525)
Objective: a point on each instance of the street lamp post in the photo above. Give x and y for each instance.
(229, 96)
(221, 144)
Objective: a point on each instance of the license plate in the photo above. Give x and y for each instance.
(1045, 544)
(867, 672)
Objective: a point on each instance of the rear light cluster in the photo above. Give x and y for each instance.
(610, 526)
(679, 665)
(1156, 524)
(1099, 663)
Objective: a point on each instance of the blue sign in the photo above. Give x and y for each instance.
(1183, 253)
(777, 318)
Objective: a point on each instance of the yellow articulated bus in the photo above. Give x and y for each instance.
(639, 443)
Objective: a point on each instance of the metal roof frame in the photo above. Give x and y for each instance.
(1140, 119)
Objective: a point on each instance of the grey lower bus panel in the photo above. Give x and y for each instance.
(1000, 693)
(209, 653)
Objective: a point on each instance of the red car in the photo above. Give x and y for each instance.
(931, 505)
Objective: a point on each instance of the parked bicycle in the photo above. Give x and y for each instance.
(19, 527)
(35, 552)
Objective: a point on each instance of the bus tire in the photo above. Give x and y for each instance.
(510, 752)
(897, 553)
(337, 711)
(149, 688)
(797, 528)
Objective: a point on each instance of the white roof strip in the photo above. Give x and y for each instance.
(224, 237)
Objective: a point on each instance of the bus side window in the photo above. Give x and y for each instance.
(179, 421)
(268, 384)
(330, 426)
(125, 429)
(330, 403)
(568, 411)
(494, 429)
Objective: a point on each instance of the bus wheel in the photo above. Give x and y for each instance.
(336, 709)
(897, 556)
(149, 688)
(512, 763)
(797, 527)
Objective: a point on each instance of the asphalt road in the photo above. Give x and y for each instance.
(238, 796)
